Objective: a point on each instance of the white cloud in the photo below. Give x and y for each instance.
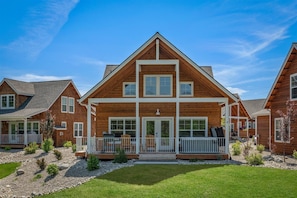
(91, 61)
(41, 26)
(235, 90)
(36, 78)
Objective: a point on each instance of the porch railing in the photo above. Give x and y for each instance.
(20, 138)
(187, 145)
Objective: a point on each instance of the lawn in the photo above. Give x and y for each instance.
(8, 168)
(189, 181)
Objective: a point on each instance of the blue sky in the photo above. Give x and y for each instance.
(245, 42)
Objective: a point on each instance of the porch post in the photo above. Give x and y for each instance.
(177, 109)
(137, 68)
(247, 127)
(0, 131)
(227, 127)
(25, 132)
(238, 129)
(89, 127)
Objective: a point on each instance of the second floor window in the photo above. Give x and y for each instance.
(7, 101)
(157, 85)
(293, 87)
(67, 104)
(129, 89)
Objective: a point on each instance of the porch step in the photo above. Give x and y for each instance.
(157, 156)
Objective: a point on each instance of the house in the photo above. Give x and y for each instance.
(283, 89)
(158, 104)
(24, 104)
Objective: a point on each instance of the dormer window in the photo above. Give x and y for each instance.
(7, 101)
(157, 85)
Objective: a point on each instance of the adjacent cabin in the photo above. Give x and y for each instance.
(158, 103)
(24, 105)
(284, 89)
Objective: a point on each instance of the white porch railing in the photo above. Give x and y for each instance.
(19, 138)
(187, 145)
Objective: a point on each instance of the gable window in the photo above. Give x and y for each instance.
(129, 89)
(120, 126)
(157, 85)
(279, 135)
(7, 101)
(67, 104)
(193, 127)
(293, 87)
(78, 129)
(186, 88)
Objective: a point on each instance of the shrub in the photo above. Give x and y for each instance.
(236, 148)
(73, 148)
(58, 154)
(52, 169)
(41, 163)
(246, 149)
(47, 145)
(67, 144)
(120, 157)
(93, 163)
(260, 148)
(295, 154)
(38, 176)
(254, 159)
(7, 148)
(31, 148)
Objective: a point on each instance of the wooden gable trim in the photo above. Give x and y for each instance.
(286, 64)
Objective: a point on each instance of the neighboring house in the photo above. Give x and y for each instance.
(284, 88)
(158, 104)
(23, 106)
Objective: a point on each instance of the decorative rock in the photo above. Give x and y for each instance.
(63, 166)
(20, 172)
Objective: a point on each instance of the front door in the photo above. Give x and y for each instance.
(162, 130)
(12, 132)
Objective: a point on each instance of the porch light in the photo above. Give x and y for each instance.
(158, 112)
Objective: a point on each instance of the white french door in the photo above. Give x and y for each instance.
(12, 132)
(162, 130)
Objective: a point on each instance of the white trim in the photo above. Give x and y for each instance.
(195, 118)
(82, 129)
(124, 120)
(124, 89)
(69, 99)
(62, 104)
(292, 75)
(65, 123)
(7, 101)
(186, 83)
(280, 130)
(158, 85)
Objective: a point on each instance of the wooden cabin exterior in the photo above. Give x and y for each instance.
(157, 104)
(283, 89)
(24, 105)
(262, 130)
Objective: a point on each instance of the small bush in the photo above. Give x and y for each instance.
(246, 149)
(67, 144)
(236, 148)
(295, 154)
(120, 157)
(260, 148)
(31, 148)
(58, 154)
(47, 145)
(7, 148)
(38, 176)
(52, 169)
(73, 148)
(41, 163)
(254, 159)
(93, 163)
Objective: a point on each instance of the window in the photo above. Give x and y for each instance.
(129, 89)
(120, 126)
(293, 86)
(193, 127)
(78, 129)
(160, 85)
(7, 101)
(67, 104)
(71, 105)
(279, 136)
(186, 89)
(64, 125)
(21, 128)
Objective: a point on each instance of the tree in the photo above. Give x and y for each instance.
(47, 124)
(287, 118)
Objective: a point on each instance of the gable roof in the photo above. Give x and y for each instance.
(20, 87)
(286, 64)
(253, 106)
(157, 35)
(45, 95)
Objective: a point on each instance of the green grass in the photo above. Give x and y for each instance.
(189, 181)
(8, 168)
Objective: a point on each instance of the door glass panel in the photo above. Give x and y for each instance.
(165, 133)
(150, 127)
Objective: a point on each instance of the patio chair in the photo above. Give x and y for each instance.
(150, 144)
(126, 142)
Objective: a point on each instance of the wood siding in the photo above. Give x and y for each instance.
(263, 130)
